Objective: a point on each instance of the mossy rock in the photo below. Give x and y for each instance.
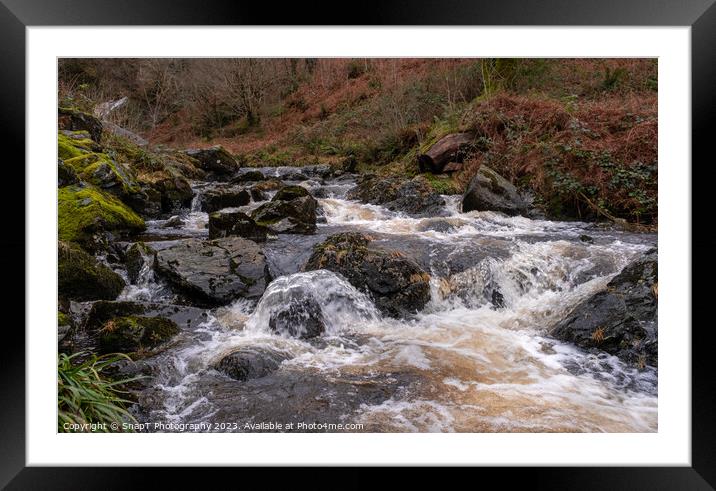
(133, 333)
(68, 148)
(442, 184)
(270, 184)
(101, 311)
(64, 327)
(66, 175)
(85, 211)
(63, 319)
(289, 193)
(81, 277)
(71, 119)
(398, 286)
(105, 173)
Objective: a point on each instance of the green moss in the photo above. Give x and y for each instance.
(440, 128)
(267, 222)
(102, 171)
(62, 319)
(76, 144)
(288, 193)
(68, 148)
(80, 162)
(82, 277)
(84, 211)
(442, 184)
(131, 333)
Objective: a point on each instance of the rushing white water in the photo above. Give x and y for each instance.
(341, 304)
(465, 363)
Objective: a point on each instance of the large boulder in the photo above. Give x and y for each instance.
(74, 120)
(84, 159)
(81, 277)
(216, 161)
(622, 319)
(215, 272)
(250, 362)
(86, 213)
(224, 224)
(291, 211)
(489, 191)
(175, 193)
(451, 148)
(133, 333)
(398, 285)
(415, 196)
(223, 197)
(106, 174)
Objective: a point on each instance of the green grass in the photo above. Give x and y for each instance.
(86, 396)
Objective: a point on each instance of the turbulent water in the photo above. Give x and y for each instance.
(466, 363)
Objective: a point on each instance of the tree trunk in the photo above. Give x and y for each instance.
(447, 149)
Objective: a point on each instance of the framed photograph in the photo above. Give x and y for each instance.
(452, 235)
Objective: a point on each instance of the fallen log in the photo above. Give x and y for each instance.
(450, 148)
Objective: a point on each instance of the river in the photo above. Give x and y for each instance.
(477, 358)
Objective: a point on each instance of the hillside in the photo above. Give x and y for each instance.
(581, 135)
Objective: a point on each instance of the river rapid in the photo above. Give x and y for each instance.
(477, 358)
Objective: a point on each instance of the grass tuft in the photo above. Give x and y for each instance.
(86, 396)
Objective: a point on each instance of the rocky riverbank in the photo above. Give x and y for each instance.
(315, 293)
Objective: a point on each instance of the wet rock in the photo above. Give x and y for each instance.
(349, 164)
(138, 256)
(102, 311)
(64, 326)
(250, 363)
(219, 198)
(133, 333)
(622, 319)
(415, 197)
(214, 272)
(398, 286)
(148, 203)
(224, 224)
(173, 222)
(249, 176)
(296, 176)
(257, 195)
(270, 184)
(586, 238)
(82, 277)
(216, 161)
(489, 191)
(66, 175)
(74, 120)
(300, 318)
(175, 193)
(292, 210)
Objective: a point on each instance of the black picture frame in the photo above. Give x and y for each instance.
(16, 15)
